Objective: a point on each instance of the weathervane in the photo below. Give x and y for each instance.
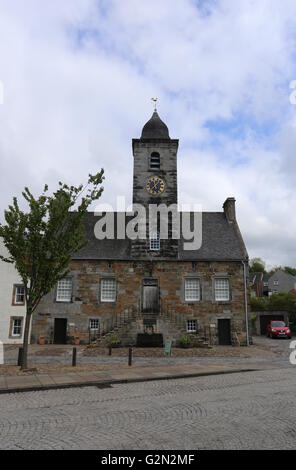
(155, 102)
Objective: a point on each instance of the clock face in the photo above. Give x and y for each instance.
(155, 185)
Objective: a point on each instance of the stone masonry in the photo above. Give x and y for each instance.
(86, 304)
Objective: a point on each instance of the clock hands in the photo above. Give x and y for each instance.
(155, 185)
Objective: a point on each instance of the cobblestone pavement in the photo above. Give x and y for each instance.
(255, 410)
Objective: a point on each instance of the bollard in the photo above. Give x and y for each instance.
(130, 356)
(74, 357)
(110, 350)
(20, 356)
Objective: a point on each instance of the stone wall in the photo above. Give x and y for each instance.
(86, 304)
(142, 151)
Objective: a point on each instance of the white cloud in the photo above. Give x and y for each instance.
(78, 77)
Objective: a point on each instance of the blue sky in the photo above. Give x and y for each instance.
(78, 76)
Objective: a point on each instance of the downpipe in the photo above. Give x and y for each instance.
(246, 305)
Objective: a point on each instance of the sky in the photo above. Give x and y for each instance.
(77, 77)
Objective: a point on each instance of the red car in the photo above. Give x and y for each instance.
(278, 329)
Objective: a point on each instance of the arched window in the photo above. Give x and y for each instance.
(155, 161)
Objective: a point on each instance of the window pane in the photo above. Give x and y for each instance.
(192, 289)
(94, 323)
(222, 289)
(64, 290)
(19, 295)
(108, 290)
(191, 326)
(17, 327)
(154, 242)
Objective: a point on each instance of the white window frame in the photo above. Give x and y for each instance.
(108, 289)
(276, 282)
(222, 293)
(95, 320)
(191, 326)
(20, 327)
(154, 240)
(16, 302)
(191, 292)
(64, 290)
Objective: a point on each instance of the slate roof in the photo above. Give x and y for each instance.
(155, 128)
(221, 241)
(284, 273)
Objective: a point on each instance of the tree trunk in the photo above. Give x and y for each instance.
(24, 362)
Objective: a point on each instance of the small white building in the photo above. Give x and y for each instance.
(12, 302)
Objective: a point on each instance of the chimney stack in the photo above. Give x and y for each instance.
(229, 209)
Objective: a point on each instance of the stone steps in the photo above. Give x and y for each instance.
(170, 326)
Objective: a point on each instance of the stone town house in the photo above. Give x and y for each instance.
(153, 289)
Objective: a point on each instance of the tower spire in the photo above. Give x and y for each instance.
(155, 128)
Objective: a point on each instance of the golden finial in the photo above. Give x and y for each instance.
(154, 102)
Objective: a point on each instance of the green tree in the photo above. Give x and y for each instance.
(257, 265)
(282, 301)
(42, 240)
(258, 304)
(290, 270)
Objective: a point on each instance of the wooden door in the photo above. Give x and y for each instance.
(150, 296)
(60, 330)
(224, 331)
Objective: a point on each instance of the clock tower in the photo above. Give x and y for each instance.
(155, 164)
(155, 178)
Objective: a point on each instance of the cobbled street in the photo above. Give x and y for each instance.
(254, 410)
